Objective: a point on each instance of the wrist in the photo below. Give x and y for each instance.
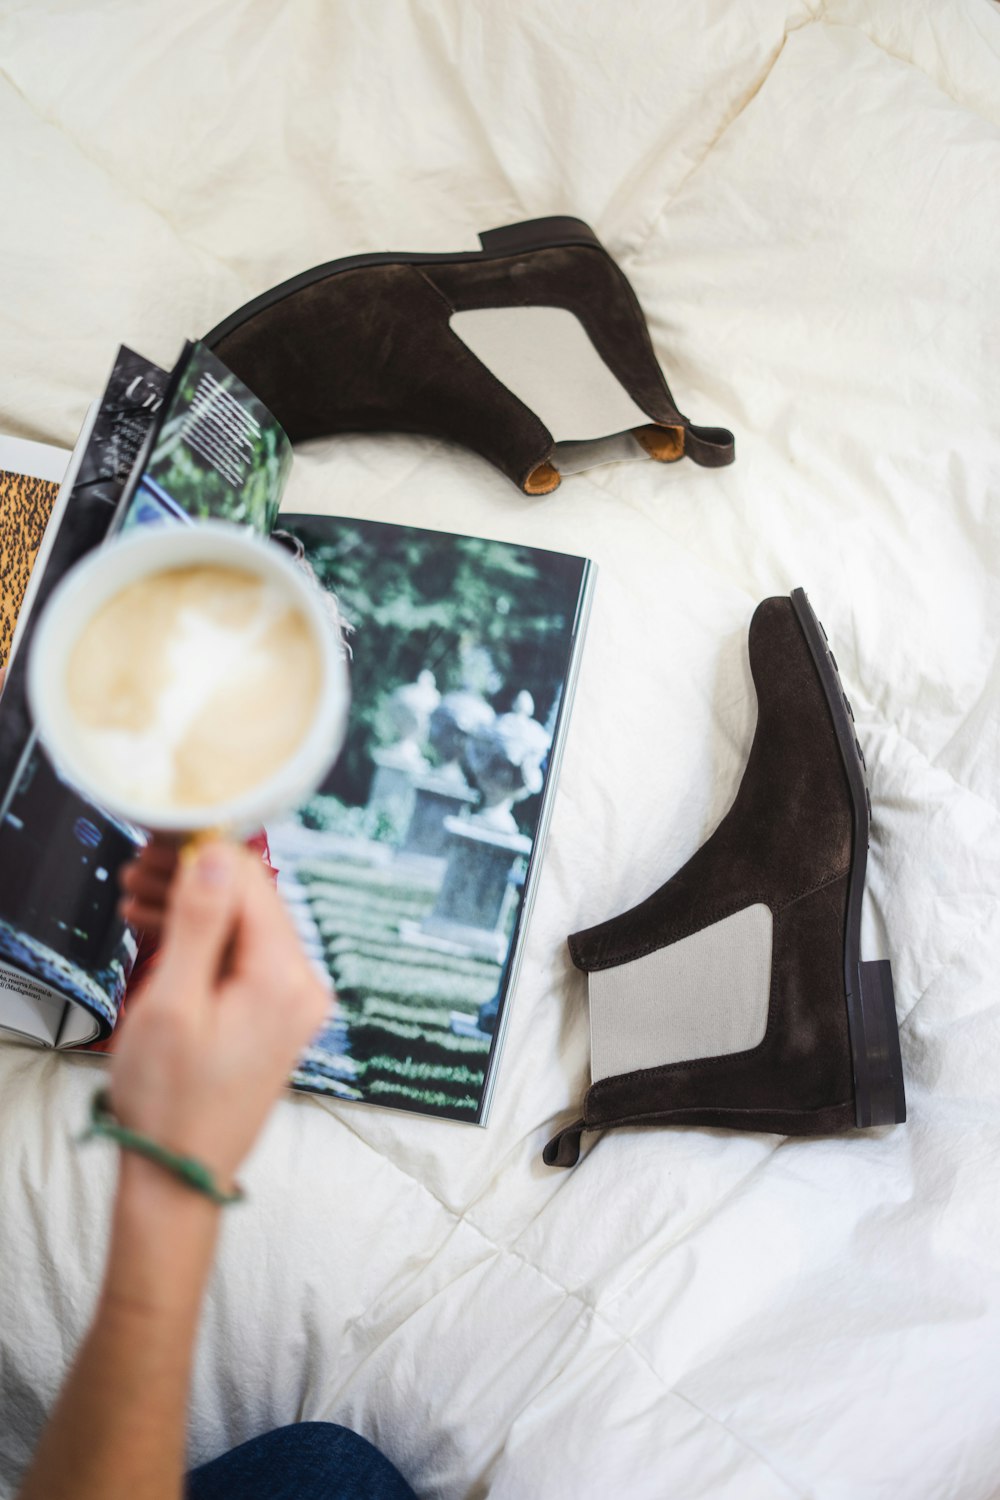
(153, 1193)
(190, 1169)
(163, 1240)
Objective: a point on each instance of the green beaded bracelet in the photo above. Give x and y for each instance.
(190, 1171)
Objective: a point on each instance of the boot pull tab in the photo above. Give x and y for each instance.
(564, 1149)
(712, 447)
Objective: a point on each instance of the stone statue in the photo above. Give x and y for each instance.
(505, 759)
(458, 716)
(407, 713)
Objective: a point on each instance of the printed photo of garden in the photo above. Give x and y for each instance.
(59, 859)
(406, 873)
(219, 454)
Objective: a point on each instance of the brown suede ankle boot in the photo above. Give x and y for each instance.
(735, 995)
(534, 341)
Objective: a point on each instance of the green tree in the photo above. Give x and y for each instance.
(193, 480)
(425, 599)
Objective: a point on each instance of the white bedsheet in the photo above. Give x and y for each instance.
(806, 197)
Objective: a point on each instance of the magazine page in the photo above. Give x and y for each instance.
(213, 453)
(30, 476)
(194, 445)
(216, 453)
(60, 937)
(407, 872)
(102, 461)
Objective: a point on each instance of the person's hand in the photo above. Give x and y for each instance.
(145, 884)
(230, 1006)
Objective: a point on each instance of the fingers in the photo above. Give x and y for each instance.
(139, 882)
(148, 920)
(270, 965)
(204, 903)
(153, 866)
(145, 884)
(159, 854)
(266, 936)
(144, 897)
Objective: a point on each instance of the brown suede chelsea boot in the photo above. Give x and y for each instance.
(735, 995)
(533, 351)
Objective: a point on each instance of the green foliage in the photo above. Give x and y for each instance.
(387, 1092)
(431, 1017)
(366, 1037)
(381, 879)
(372, 913)
(420, 599)
(377, 946)
(330, 815)
(396, 999)
(368, 975)
(459, 1076)
(194, 483)
(356, 926)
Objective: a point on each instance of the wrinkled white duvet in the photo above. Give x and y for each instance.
(806, 196)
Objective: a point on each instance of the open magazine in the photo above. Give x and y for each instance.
(30, 476)
(410, 873)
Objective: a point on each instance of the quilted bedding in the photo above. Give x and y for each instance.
(806, 196)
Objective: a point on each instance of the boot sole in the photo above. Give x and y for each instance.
(879, 1093)
(510, 239)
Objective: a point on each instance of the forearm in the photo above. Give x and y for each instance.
(198, 1065)
(118, 1428)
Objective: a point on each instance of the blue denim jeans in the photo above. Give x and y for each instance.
(310, 1461)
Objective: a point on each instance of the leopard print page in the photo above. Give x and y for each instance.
(25, 506)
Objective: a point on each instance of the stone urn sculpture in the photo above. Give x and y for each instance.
(407, 713)
(505, 761)
(457, 717)
(486, 855)
(443, 792)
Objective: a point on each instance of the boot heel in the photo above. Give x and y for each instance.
(538, 234)
(881, 1099)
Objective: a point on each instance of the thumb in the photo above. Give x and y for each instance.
(201, 914)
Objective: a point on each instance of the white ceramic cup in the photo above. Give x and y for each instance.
(157, 549)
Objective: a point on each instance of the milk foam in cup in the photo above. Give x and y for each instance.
(192, 685)
(188, 678)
